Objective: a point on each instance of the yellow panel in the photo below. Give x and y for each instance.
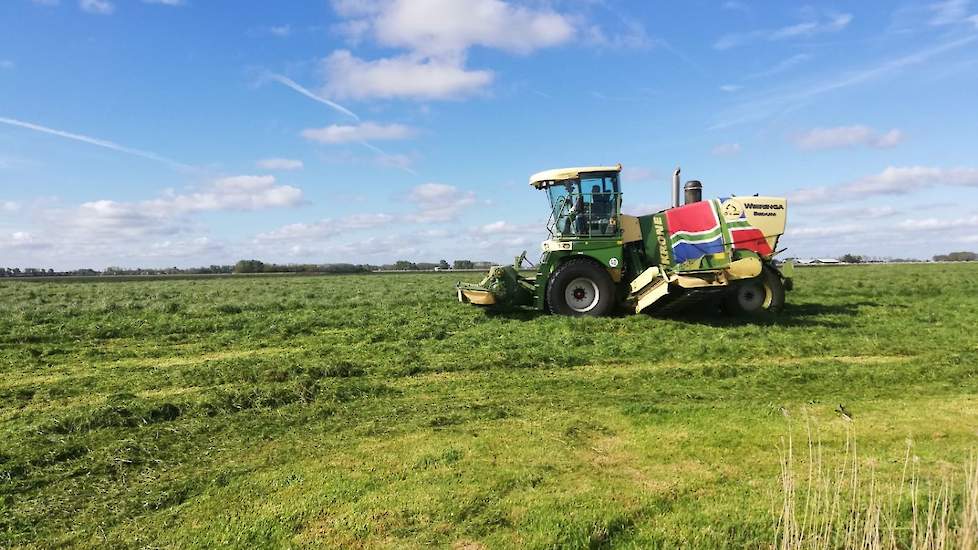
(769, 214)
(479, 297)
(631, 231)
(652, 295)
(744, 268)
(645, 278)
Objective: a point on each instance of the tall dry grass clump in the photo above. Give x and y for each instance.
(839, 502)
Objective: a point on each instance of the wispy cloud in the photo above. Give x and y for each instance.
(367, 131)
(6, 64)
(726, 150)
(99, 7)
(285, 81)
(829, 24)
(781, 66)
(894, 180)
(280, 164)
(400, 162)
(281, 31)
(94, 141)
(172, 3)
(847, 136)
(786, 100)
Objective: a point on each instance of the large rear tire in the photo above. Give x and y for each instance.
(762, 294)
(581, 287)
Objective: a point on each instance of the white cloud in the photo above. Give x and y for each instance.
(891, 181)
(821, 25)
(21, 240)
(172, 3)
(302, 231)
(851, 212)
(166, 214)
(367, 131)
(935, 224)
(730, 88)
(100, 7)
(726, 150)
(408, 76)
(438, 202)
(282, 164)
(435, 27)
(820, 231)
(847, 136)
(9, 206)
(436, 35)
(503, 227)
(238, 193)
(366, 221)
(325, 229)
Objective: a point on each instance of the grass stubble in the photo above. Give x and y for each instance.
(836, 501)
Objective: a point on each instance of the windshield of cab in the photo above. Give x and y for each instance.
(585, 206)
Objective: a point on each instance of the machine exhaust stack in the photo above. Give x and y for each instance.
(694, 191)
(675, 187)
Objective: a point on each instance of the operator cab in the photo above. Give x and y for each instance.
(584, 201)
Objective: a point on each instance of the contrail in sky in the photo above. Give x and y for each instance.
(285, 81)
(388, 157)
(93, 141)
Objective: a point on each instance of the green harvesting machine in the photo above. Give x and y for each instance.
(598, 260)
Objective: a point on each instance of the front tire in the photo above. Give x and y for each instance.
(580, 287)
(762, 294)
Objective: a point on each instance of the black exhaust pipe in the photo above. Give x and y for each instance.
(694, 191)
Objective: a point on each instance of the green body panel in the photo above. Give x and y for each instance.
(605, 250)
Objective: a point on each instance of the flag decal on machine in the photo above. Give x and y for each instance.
(695, 231)
(744, 236)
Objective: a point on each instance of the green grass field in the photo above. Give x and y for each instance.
(375, 411)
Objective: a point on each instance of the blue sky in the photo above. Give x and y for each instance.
(191, 132)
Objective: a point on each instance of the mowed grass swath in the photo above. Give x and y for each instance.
(376, 411)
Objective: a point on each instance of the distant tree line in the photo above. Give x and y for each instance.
(956, 257)
(256, 266)
(247, 266)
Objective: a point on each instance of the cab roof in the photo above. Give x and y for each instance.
(540, 179)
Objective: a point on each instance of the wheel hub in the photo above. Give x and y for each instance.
(582, 294)
(750, 297)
